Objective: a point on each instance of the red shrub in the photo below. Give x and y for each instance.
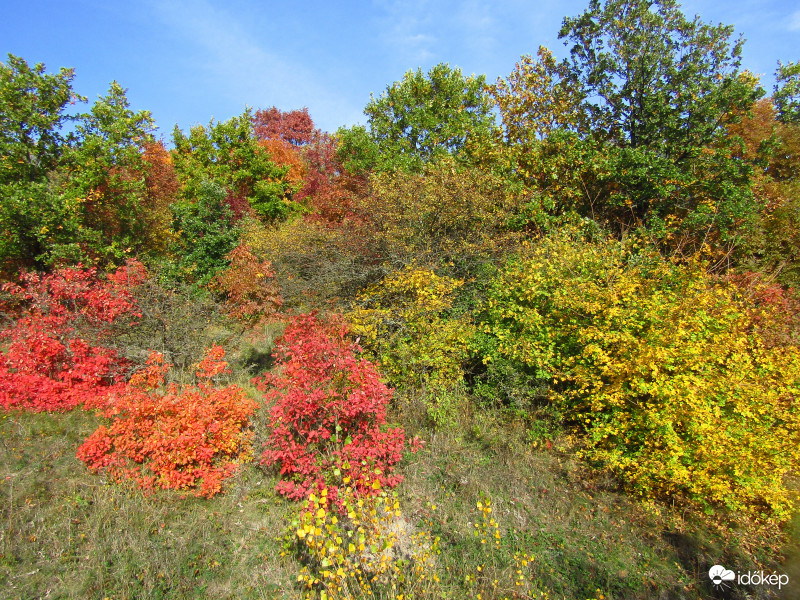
(163, 436)
(45, 365)
(329, 413)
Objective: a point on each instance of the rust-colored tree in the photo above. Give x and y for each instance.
(162, 186)
(323, 185)
(249, 285)
(294, 127)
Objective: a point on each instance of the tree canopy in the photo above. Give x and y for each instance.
(653, 78)
(33, 107)
(420, 117)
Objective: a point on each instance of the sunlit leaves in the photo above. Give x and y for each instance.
(659, 366)
(787, 92)
(328, 420)
(47, 364)
(421, 117)
(403, 322)
(170, 437)
(536, 99)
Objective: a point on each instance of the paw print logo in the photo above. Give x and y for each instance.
(719, 575)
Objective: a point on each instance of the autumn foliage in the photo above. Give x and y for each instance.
(172, 437)
(47, 365)
(249, 286)
(293, 127)
(661, 367)
(402, 323)
(329, 414)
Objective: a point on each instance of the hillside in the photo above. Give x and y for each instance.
(536, 338)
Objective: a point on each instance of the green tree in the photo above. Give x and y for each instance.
(33, 112)
(105, 175)
(228, 153)
(420, 117)
(33, 108)
(206, 234)
(659, 91)
(653, 78)
(787, 92)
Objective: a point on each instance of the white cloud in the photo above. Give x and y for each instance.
(239, 66)
(794, 21)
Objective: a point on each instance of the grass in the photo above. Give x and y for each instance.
(588, 538)
(69, 534)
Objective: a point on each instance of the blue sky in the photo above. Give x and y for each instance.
(188, 61)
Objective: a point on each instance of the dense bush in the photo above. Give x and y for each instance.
(48, 363)
(314, 265)
(171, 437)
(329, 414)
(403, 323)
(446, 213)
(660, 366)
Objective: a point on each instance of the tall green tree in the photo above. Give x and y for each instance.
(654, 78)
(787, 92)
(105, 175)
(34, 108)
(659, 90)
(33, 111)
(423, 116)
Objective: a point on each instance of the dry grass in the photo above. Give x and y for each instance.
(68, 534)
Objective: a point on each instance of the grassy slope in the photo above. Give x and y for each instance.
(69, 534)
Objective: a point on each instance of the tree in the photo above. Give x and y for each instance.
(787, 92)
(536, 99)
(294, 127)
(32, 113)
(229, 154)
(105, 174)
(207, 234)
(539, 105)
(659, 91)
(423, 116)
(33, 107)
(654, 79)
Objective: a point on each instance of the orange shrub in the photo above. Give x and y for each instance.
(163, 436)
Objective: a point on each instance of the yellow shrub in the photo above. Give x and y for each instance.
(356, 546)
(660, 366)
(403, 322)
